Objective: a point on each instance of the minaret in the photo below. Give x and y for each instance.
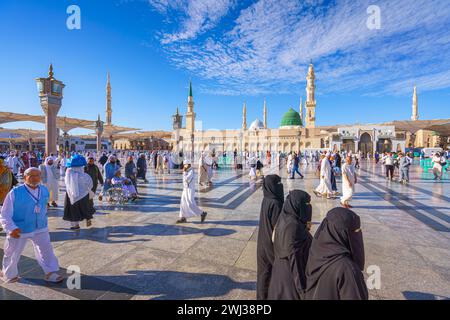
(310, 99)
(108, 102)
(177, 120)
(190, 115)
(415, 106)
(244, 117)
(301, 110)
(265, 114)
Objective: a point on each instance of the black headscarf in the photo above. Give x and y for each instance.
(338, 236)
(273, 188)
(291, 231)
(270, 211)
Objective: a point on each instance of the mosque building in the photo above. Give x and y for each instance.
(298, 131)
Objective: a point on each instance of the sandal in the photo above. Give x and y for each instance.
(203, 217)
(53, 277)
(182, 220)
(88, 223)
(15, 279)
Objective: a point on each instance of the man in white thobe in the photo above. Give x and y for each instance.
(348, 182)
(50, 177)
(203, 168)
(324, 188)
(24, 216)
(14, 163)
(188, 206)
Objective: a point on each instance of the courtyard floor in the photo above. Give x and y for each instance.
(137, 252)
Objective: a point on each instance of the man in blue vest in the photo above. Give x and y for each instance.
(24, 216)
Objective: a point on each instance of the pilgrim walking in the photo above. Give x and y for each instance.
(325, 188)
(188, 206)
(348, 182)
(270, 210)
(336, 259)
(292, 241)
(50, 177)
(77, 206)
(24, 217)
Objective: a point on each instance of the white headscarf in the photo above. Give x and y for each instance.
(78, 184)
(48, 168)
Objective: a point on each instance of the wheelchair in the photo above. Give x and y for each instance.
(115, 195)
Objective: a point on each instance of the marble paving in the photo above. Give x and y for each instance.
(137, 252)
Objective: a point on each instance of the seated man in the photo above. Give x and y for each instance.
(129, 190)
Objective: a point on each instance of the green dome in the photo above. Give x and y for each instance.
(291, 118)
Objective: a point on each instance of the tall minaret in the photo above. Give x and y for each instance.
(190, 115)
(301, 111)
(415, 106)
(310, 99)
(244, 117)
(108, 102)
(265, 114)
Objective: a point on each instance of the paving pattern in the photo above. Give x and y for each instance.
(137, 252)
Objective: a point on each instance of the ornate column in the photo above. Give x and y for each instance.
(30, 144)
(99, 132)
(50, 95)
(11, 144)
(111, 138)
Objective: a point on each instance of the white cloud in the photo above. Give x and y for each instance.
(270, 43)
(197, 16)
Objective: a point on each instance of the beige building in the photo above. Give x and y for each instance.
(299, 132)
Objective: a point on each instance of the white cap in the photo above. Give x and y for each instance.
(186, 162)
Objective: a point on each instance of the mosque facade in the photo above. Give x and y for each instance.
(297, 131)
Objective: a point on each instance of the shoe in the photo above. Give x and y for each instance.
(182, 220)
(88, 223)
(203, 216)
(75, 227)
(54, 204)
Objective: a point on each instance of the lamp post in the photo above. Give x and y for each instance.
(50, 96)
(99, 132)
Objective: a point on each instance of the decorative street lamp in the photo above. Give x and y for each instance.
(99, 132)
(50, 96)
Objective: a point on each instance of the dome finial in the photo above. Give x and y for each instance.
(50, 71)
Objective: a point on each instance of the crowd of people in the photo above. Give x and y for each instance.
(292, 263)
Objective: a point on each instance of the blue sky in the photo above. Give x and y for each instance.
(234, 51)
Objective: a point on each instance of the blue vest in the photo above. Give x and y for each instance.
(24, 215)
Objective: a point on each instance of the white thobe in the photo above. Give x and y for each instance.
(188, 206)
(325, 177)
(13, 249)
(347, 191)
(52, 184)
(203, 171)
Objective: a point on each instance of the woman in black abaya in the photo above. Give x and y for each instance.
(292, 241)
(336, 259)
(270, 210)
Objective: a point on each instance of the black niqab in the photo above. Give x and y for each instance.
(338, 241)
(296, 213)
(291, 248)
(270, 210)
